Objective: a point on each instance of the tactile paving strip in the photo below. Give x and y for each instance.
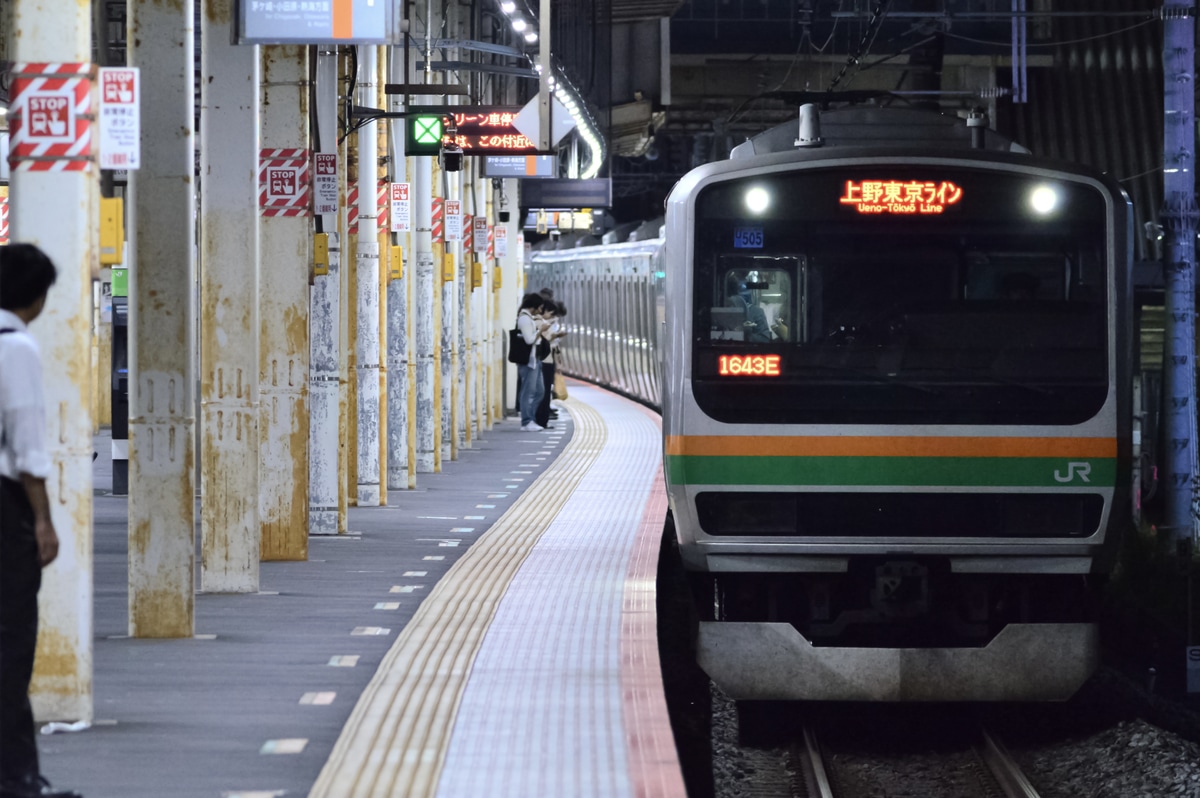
(396, 739)
(544, 712)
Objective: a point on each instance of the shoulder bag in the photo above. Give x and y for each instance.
(518, 350)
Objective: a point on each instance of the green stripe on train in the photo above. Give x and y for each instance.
(893, 471)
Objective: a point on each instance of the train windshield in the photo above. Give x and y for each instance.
(901, 296)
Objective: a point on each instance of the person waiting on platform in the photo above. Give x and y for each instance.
(554, 313)
(28, 541)
(529, 376)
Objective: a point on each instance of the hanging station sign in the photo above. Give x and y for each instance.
(318, 22)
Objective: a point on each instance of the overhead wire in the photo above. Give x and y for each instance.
(1126, 29)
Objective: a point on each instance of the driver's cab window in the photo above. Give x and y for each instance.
(753, 301)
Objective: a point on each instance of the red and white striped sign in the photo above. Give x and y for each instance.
(468, 235)
(284, 187)
(49, 116)
(491, 241)
(3, 220)
(381, 212)
(439, 221)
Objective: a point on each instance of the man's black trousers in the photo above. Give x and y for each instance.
(20, 579)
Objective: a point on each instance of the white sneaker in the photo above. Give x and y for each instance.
(532, 427)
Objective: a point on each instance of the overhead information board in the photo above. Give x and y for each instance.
(519, 166)
(479, 130)
(318, 22)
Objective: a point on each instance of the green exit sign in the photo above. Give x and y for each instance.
(423, 134)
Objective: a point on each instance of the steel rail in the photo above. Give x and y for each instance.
(816, 777)
(1004, 769)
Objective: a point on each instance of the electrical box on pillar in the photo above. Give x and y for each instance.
(112, 231)
(397, 262)
(321, 254)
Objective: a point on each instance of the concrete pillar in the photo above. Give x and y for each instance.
(366, 256)
(444, 324)
(347, 411)
(286, 246)
(162, 493)
(325, 329)
(422, 304)
(512, 286)
(398, 437)
(454, 311)
(496, 329)
(229, 403)
(44, 33)
(383, 238)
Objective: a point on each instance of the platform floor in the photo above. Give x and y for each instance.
(490, 633)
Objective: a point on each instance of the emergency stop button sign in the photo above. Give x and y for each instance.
(50, 118)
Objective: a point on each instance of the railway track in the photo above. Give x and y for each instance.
(986, 770)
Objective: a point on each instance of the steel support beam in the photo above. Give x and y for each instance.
(1179, 216)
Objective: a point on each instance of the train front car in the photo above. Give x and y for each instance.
(897, 420)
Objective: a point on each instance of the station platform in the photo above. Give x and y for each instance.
(490, 633)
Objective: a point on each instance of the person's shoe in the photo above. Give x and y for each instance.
(553, 414)
(548, 426)
(34, 787)
(531, 427)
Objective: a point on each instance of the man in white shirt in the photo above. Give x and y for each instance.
(28, 541)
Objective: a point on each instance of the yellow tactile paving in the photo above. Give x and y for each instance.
(395, 740)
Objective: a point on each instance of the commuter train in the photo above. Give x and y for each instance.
(893, 354)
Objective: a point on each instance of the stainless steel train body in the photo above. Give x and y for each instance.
(896, 408)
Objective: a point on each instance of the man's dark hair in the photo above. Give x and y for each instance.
(532, 302)
(26, 274)
(547, 293)
(560, 309)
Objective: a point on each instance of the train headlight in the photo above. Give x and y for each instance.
(757, 199)
(1044, 200)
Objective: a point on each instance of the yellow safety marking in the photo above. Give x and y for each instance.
(396, 739)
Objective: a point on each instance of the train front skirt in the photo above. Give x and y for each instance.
(773, 661)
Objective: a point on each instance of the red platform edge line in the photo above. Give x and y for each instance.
(654, 769)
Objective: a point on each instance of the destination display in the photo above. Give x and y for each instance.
(901, 196)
